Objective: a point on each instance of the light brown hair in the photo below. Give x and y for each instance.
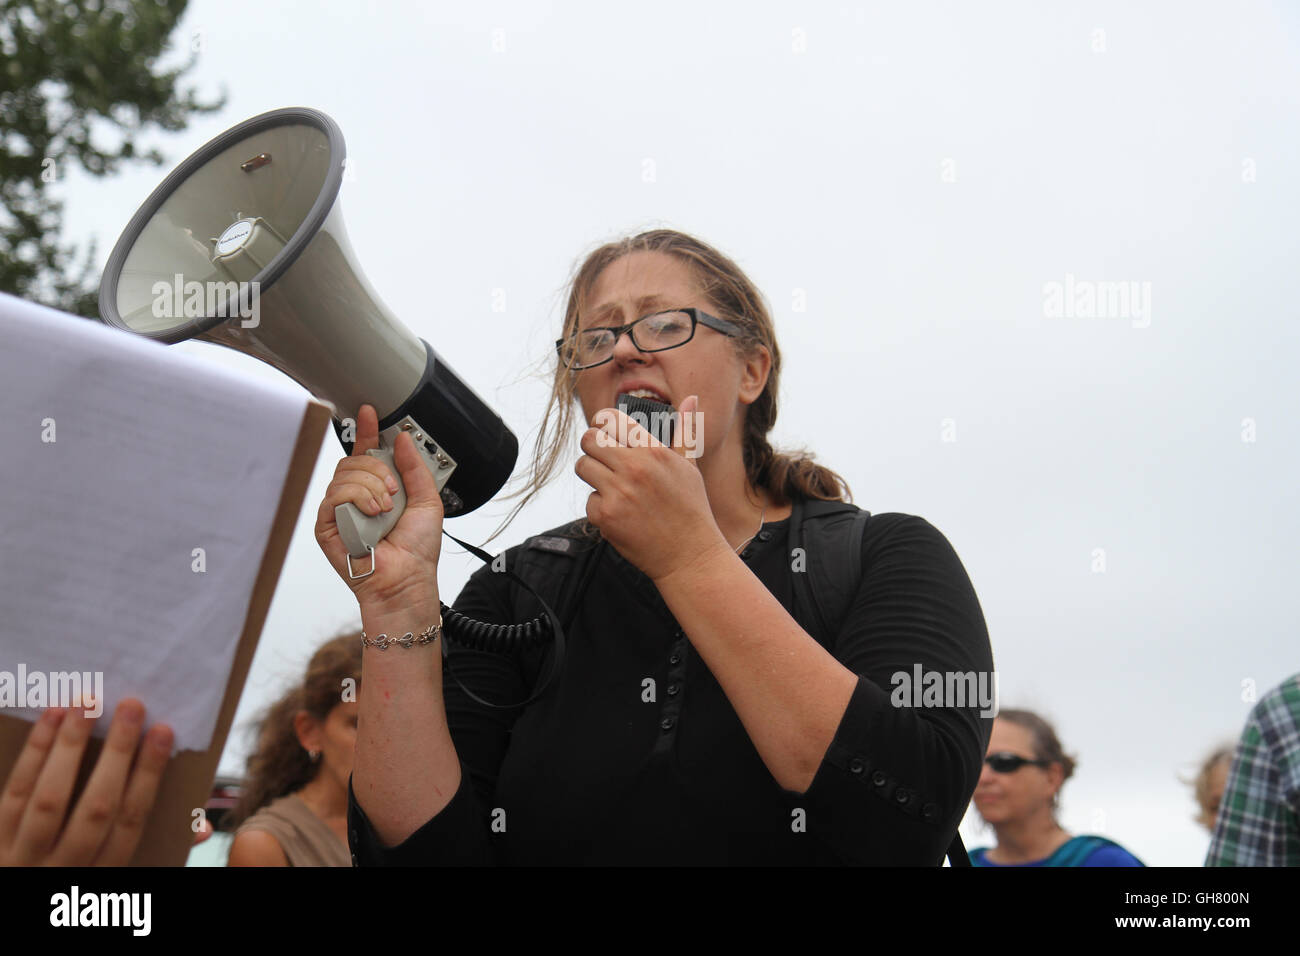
(783, 475)
(1209, 813)
(280, 765)
(1046, 745)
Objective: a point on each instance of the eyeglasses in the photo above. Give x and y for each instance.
(1005, 762)
(657, 332)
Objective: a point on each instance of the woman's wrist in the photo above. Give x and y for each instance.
(696, 562)
(421, 622)
(412, 597)
(410, 626)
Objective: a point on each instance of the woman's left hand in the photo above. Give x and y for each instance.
(650, 502)
(103, 828)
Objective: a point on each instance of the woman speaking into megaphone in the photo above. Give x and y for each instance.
(730, 692)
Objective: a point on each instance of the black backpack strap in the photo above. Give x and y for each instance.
(832, 572)
(560, 564)
(957, 855)
(828, 562)
(570, 574)
(805, 605)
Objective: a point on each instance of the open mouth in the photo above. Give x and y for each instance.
(649, 393)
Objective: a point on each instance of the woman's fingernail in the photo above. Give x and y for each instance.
(391, 482)
(131, 712)
(388, 503)
(374, 503)
(160, 738)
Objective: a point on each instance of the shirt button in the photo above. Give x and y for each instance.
(674, 659)
(354, 859)
(672, 690)
(667, 723)
(901, 796)
(879, 778)
(855, 765)
(929, 811)
(764, 536)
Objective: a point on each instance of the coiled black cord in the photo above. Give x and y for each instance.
(506, 639)
(494, 638)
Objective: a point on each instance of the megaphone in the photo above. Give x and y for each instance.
(244, 245)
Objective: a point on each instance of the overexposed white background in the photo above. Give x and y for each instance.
(901, 181)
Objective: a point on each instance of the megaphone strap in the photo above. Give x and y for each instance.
(353, 575)
(501, 638)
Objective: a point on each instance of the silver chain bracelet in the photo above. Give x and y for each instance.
(408, 640)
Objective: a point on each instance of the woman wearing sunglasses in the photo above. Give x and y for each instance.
(1018, 793)
(695, 720)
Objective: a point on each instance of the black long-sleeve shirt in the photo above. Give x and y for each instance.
(595, 772)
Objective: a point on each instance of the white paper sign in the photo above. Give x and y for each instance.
(138, 487)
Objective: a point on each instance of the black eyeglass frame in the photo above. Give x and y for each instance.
(698, 317)
(1003, 756)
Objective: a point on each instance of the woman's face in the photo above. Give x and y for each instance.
(336, 739)
(637, 285)
(1007, 797)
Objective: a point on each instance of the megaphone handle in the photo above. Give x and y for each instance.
(359, 531)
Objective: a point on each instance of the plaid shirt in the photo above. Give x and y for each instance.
(1259, 819)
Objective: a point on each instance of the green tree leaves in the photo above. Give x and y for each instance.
(80, 82)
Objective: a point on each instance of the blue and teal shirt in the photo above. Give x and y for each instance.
(1078, 851)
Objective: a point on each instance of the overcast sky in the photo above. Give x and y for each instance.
(904, 183)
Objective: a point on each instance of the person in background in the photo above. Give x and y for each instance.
(1018, 794)
(1259, 820)
(1209, 783)
(293, 808)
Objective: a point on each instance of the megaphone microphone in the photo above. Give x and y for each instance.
(243, 244)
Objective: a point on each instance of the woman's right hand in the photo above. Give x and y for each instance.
(406, 561)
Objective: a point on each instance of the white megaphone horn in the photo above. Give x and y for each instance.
(243, 245)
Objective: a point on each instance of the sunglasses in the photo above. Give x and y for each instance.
(1009, 763)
